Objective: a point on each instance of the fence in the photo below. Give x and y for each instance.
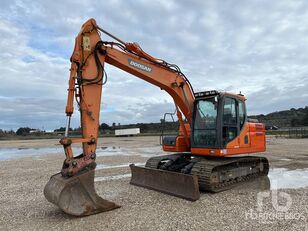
(289, 132)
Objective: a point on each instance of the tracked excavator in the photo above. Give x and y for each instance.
(207, 154)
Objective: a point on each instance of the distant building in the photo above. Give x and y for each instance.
(49, 131)
(36, 131)
(127, 132)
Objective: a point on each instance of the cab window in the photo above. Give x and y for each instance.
(230, 128)
(241, 113)
(205, 123)
(229, 117)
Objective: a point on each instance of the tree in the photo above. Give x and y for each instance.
(77, 129)
(10, 132)
(295, 122)
(104, 126)
(62, 129)
(305, 119)
(23, 131)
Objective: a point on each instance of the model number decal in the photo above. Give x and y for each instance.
(139, 65)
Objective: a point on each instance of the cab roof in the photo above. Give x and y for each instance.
(210, 93)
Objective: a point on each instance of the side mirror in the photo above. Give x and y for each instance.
(215, 102)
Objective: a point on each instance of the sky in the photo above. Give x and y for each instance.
(257, 47)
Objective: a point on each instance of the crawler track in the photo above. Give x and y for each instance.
(218, 174)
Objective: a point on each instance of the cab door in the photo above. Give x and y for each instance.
(230, 122)
(235, 130)
(244, 138)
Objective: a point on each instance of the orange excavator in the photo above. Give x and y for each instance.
(213, 130)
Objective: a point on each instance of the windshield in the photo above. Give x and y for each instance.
(205, 123)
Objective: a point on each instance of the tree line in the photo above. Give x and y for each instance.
(103, 129)
(287, 118)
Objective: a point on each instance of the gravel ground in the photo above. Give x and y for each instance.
(23, 206)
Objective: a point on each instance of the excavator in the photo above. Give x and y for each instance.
(207, 154)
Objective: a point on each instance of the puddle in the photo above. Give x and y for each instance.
(284, 178)
(13, 153)
(279, 178)
(151, 151)
(115, 177)
(106, 166)
(286, 159)
(118, 151)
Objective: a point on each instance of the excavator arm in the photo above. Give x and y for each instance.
(73, 189)
(86, 80)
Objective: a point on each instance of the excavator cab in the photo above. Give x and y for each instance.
(218, 119)
(219, 127)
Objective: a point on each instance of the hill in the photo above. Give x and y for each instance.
(287, 118)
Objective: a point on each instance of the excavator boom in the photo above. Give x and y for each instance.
(212, 127)
(73, 189)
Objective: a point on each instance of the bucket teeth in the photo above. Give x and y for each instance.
(172, 183)
(76, 195)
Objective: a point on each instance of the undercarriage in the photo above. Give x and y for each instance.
(213, 174)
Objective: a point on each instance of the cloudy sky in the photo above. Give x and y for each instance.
(257, 47)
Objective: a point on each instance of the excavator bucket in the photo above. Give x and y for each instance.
(172, 183)
(76, 195)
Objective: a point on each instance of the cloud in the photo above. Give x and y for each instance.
(256, 47)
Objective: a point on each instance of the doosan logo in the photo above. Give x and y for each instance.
(139, 65)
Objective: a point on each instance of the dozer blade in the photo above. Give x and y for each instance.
(172, 183)
(76, 195)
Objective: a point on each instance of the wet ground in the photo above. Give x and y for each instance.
(13, 153)
(279, 177)
(26, 166)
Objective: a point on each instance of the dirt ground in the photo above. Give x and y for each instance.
(23, 206)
